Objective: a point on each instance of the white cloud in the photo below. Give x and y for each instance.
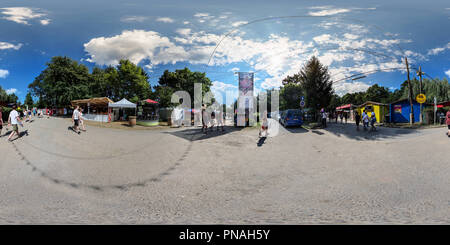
(186, 22)
(45, 22)
(23, 15)
(5, 45)
(201, 15)
(326, 12)
(165, 20)
(135, 45)
(11, 91)
(4, 73)
(438, 50)
(134, 18)
(277, 56)
(447, 73)
(220, 86)
(183, 31)
(239, 23)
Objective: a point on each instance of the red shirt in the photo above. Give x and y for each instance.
(448, 118)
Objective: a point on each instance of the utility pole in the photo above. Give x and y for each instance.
(419, 73)
(411, 114)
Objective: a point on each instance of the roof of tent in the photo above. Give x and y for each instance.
(150, 101)
(103, 101)
(124, 103)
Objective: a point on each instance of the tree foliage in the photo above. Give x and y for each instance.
(315, 82)
(180, 80)
(29, 101)
(65, 80)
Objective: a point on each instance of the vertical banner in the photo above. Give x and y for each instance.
(246, 89)
(245, 100)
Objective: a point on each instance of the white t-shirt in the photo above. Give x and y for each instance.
(76, 114)
(13, 115)
(365, 118)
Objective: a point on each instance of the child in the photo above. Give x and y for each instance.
(264, 125)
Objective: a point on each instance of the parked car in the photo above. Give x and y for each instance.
(291, 117)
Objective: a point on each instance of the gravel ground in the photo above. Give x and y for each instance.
(179, 176)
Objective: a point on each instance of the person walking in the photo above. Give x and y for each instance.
(448, 122)
(1, 120)
(324, 118)
(14, 120)
(219, 119)
(265, 125)
(204, 120)
(81, 118)
(341, 116)
(76, 119)
(373, 120)
(345, 117)
(365, 119)
(357, 120)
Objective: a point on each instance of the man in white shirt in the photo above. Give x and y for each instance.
(76, 119)
(13, 120)
(365, 120)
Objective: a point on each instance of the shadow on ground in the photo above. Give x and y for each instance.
(296, 129)
(195, 133)
(349, 130)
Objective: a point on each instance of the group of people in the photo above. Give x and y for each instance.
(78, 120)
(366, 120)
(215, 118)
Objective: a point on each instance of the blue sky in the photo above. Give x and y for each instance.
(348, 36)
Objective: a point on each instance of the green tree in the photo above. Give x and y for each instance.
(180, 80)
(29, 101)
(12, 98)
(377, 93)
(3, 95)
(315, 81)
(132, 82)
(290, 96)
(61, 82)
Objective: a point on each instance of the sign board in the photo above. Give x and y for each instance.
(246, 89)
(421, 98)
(398, 108)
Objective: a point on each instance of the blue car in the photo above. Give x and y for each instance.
(291, 117)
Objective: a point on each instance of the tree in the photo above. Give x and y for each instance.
(180, 80)
(61, 82)
(315, 82)
(12, 98)
(377, 93)
(290, 96)
(29, 101)
(132, 82)
(3, 95)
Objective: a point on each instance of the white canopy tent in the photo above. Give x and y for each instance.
(123, 103)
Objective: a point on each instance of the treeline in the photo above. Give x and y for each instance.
(431, 88)
(65, 80)
(7, 98)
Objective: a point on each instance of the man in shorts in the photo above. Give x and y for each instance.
(76, 119)
(14, 120)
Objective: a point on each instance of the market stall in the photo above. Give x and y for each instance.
(119, 109)
(94, 109)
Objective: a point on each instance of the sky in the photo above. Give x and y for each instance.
(273, 39)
